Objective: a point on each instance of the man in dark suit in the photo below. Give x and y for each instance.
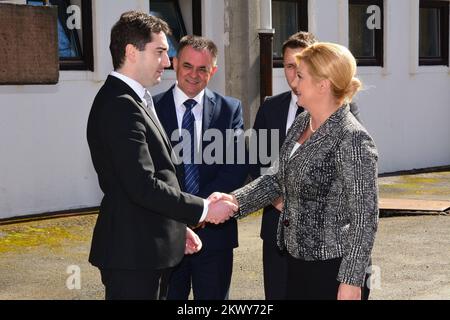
(141, 230)
(277, 114)
(209, 271)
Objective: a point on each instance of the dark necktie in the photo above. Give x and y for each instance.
(299, 110)
(191, 172)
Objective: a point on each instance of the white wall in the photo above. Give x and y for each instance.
(406, 108)
(44, 163)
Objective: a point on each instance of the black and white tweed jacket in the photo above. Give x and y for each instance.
(330, 193)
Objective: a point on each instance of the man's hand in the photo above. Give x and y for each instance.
(216, 196)
(348, 292)
(193, 242)
(222, 206)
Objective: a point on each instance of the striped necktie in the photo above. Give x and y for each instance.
(191, 170)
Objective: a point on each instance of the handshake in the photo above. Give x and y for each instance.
(222, 207)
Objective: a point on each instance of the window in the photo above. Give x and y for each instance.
(433, 32)
(288, 17)
(170, 12)
(74, 33)
(366, 31)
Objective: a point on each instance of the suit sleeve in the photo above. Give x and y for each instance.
(259, 193)
(260, 123)
(126, 135)
(359, 172)
(231, 176)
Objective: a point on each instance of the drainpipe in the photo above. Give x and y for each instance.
(266, 48)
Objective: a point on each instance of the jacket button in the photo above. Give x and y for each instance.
(286, 223)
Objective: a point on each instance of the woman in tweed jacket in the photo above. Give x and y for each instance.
(327, 179)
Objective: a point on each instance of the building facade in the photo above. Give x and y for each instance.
(45, 161)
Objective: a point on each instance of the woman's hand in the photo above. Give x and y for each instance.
(348, 292)
(218, 196)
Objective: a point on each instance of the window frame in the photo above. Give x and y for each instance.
(302, 24)
(86, 62)
(378, 59)
(443, 6)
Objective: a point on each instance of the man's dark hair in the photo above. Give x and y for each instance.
(134, 28)
(198, 43)
(300, 39)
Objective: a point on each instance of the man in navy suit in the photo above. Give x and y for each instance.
(277, 113)
(189, 106)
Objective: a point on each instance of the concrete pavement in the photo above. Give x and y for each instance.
(47, 259)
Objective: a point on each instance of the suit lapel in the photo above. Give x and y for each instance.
(209, 108)
(167, 114)
(279, 115)
(329, 127)
(209, 105)
(122, 88)
(157, 125)
(284, 111)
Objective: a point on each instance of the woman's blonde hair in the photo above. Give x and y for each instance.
(333, 62)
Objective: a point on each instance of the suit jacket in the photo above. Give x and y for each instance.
(330, 192)
(272, 115)
(143, 214)
(220, 113)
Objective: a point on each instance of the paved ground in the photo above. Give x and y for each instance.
(411, 254)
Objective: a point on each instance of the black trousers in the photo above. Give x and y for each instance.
(135, 284)
(207, 273)
(275, 271)
(315, 280)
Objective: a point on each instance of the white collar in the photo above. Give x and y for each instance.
(180, 97)
(136, 86)
(294, 97)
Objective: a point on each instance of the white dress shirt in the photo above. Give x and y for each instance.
(179, 98)
(139, 90)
